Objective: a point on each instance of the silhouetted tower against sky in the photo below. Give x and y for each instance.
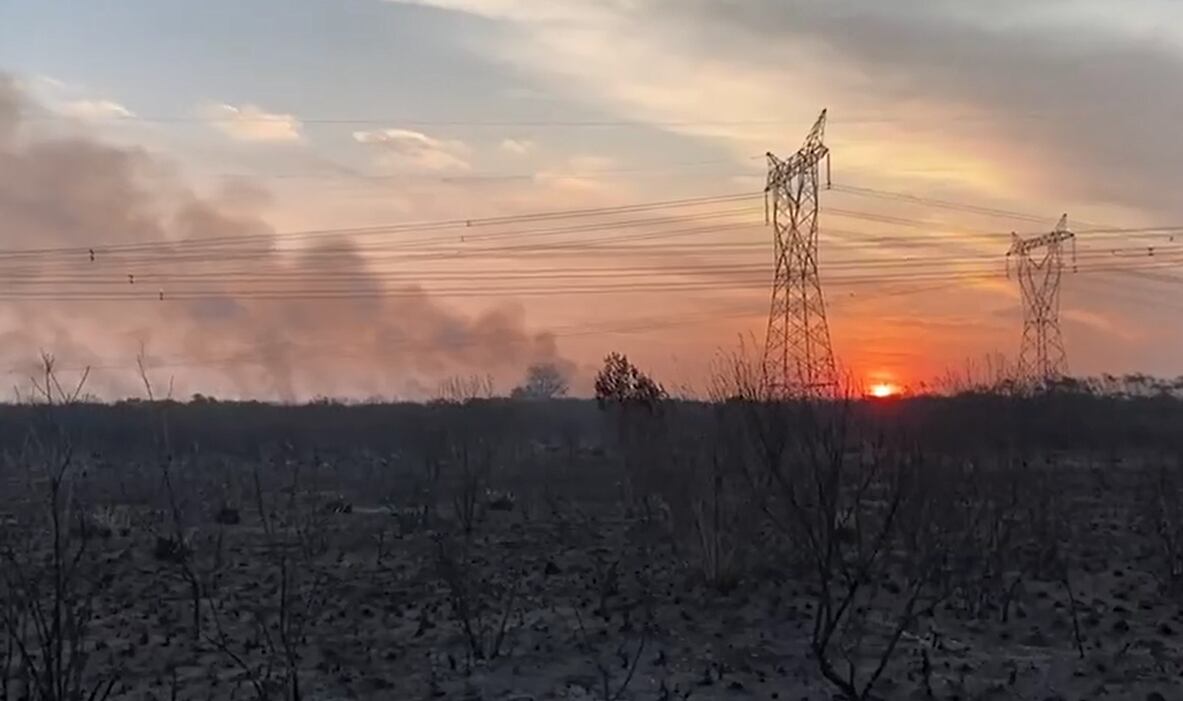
(798, 359)
(1042, 358)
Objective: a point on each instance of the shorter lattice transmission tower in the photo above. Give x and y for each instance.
(798, 358)
(1040, 265)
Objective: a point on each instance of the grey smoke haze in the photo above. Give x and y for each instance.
(58, 191)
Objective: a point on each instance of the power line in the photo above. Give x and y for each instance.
(943, 204)
(349, 174)
(467, 223)
(322, 267)
(403, 121)
(260, 246)
(321, 260)
(1089, 228)
(427, 121)
(204, 247)
(577, 288)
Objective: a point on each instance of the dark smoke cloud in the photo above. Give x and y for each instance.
(58, 191)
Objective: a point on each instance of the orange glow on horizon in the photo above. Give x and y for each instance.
(883, 390)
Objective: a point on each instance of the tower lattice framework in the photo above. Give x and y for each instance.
(1040, 266)
(798, 357)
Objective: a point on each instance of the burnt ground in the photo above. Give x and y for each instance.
(567, 585)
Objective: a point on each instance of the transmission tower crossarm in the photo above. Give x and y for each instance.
(1061, 233)
(808, 156)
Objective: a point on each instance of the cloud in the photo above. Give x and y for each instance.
(69, 99)
(1077, 104)
(522, 10)
(577, 174)
(251, 123)
(46, 82)
(517, 147)
(96, 109)
(1103, 323)
(590, 49)
(995, 101)
(404, 147)
(10, 107)
(227, 338)
(591, 163)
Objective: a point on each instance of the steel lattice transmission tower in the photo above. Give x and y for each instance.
(1042, 358)
(798, 358)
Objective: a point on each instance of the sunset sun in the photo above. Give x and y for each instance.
(883, 390)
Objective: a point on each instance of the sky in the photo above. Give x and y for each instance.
(280, 174)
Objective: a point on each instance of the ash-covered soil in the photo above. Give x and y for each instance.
(566, 599)
(478, 564)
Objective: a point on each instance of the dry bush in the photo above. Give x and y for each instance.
(1024, 533)
(51, 575)
(462, 389)
(460, 444)
(723, 528)
(996, 490)
(612, 648)
(710, 499)
(615, 670)
(875, 529)
(192, 553)
(478, 441)
(1162, 515)
(473, 465)
(682, 457)
(638, 408)
(431, 448)
(482, 606)
(280, 616)
(878, 529)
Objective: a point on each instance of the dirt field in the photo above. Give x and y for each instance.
(503, 566)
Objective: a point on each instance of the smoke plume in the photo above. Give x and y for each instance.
(70, 192)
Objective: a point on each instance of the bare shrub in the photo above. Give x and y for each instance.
(721, 529)
(477, 440)
(680, 456)
(543, 381)
(615, 650)
(51, 576)
(295, 541)
(473, 462)
(636, 405)
(481, 606)
(871, 529)
(1162, 514)
(423, 485)
(1018, 536)
(615, 670)
(176, 546)
(877, 528)
(461, 389)
(709, 497)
